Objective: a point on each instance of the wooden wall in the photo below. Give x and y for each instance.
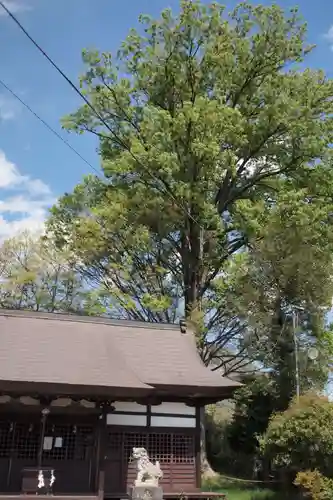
(168, 431)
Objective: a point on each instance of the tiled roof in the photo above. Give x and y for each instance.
(85, 351)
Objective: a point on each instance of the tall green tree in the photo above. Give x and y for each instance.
(199, 119)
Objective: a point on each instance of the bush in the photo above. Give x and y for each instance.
(319, 486)
(301, 438)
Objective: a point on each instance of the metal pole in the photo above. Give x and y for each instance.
(295, 322)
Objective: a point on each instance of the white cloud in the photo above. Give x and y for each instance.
(21, 204)
(27, 208)
(9, 175)
(37, 187)
(8, 108)
(329, 37)
(11, 178)
(15, 6)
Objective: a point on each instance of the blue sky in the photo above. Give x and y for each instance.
(35, 166)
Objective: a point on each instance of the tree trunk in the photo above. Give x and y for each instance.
(192, 243)
(206, 468)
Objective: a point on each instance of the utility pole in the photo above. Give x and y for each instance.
(295, 326)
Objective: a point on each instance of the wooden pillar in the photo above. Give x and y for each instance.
(105, 407)
(45, 413)
(12, 441)
(148, 423)
(198, 446)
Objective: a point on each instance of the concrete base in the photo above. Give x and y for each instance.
(146, 492)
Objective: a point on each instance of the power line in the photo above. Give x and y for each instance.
(47, 126)
(93, 109)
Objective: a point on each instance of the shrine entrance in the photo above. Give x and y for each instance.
(68, 447)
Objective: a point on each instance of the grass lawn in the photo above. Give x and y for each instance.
(243, 494)
(251, 494)
(238, 491)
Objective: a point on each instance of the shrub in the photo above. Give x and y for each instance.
(301, 438)
(319, 486)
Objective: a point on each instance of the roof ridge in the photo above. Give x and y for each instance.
(77, 318)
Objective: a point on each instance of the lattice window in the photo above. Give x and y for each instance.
(26, 440)
(68, 442)
(160, 447)
(183, 449)
(129, 441)
(6, 436)
(164, 447)
(133, 440)
(115, 442)
(62, 442)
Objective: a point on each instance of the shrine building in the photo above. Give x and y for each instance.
(78, 393)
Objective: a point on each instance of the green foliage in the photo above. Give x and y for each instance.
(254, 404)
(300, 438)
(221, 455)
(34, 275)
(319, 486)
(288, 272)
(291, 237)
(232, 442)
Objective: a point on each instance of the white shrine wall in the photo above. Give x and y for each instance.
(167, 414)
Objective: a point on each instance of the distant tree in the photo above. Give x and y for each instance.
(34, 275)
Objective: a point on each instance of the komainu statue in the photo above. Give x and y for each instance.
(148, 474)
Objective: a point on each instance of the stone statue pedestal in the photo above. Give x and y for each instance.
(145, 492)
